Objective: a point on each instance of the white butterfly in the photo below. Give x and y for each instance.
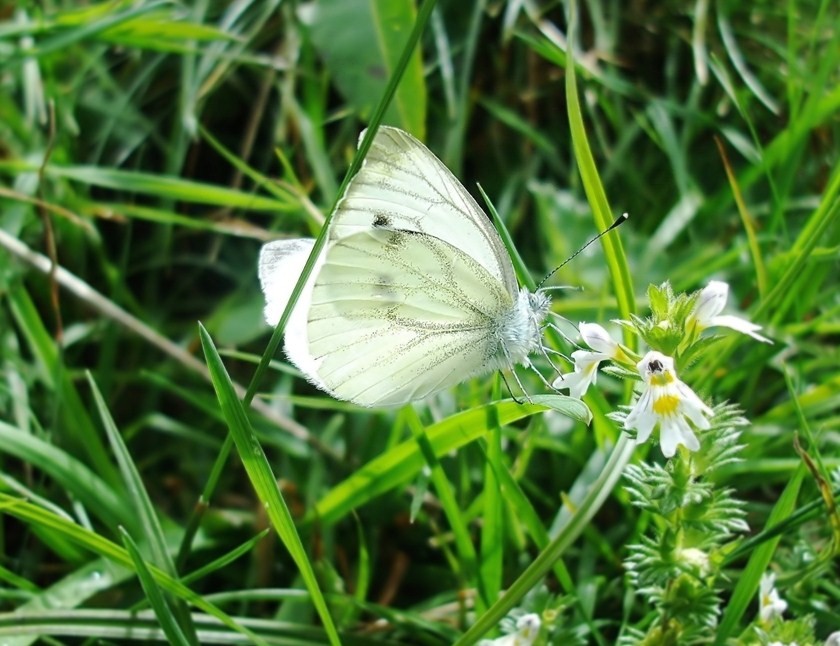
(414, 291)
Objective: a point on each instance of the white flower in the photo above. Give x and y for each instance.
(586, 373)
(586, 362)
(696, 559)
(527, 629)
(707, 312)
(770, 604)
(668, 402)
(599, 339)
(833, 639)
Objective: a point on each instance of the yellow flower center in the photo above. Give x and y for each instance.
(661, 379)
(666, 405)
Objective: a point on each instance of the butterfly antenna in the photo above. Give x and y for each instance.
(621, 219)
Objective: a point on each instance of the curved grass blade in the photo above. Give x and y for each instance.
(261, 476)
(164, 614)
(598, 491)
(402, 463)
(141, 505)
(89, 540)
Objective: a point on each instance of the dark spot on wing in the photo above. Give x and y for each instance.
(381, 220)
(384, 288)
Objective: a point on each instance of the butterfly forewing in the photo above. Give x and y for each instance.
(403, 186)
(397, 315)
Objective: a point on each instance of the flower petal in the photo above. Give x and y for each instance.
(597, 338)
(740, 325)
(710, 303)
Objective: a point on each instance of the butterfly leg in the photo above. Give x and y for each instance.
(507, 385)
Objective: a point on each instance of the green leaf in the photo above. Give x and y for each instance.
(361, 42)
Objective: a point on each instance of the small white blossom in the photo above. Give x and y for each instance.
(770, 604)
(833, 639)
(666, 401)
(527, 629)
(587, 362)
(597, 338)
(586, 373)
(697, 559)
(707, 312)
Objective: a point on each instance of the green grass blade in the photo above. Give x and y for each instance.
(262, 478)
(747, 585)
(601, 211)
(161, 187)
(534, 573)
(492, 527)
(97, 496)
(378, 114)
(168, 623)
(140, 504)
(401, 464)
(363, 57)
(97, 544)
(73, 422)
(226, 559)
(68, 593)
(468, 559)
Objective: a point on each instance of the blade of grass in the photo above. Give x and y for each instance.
(140, 503)
(750, 576)
(99, 497)
(168, 623)
(602, 487)
(468, 559)
(262, 478)
(74, 424)
(277, 336)
(747, 220)
(534, 573)
(491, 549)
(401, 463)
(89, 540)
(163, 187)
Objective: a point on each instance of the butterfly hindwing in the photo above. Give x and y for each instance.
(397, 315)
